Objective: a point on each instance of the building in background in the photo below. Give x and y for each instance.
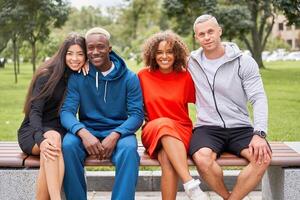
(290, 34)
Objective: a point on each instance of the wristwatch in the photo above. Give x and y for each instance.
(261, 134)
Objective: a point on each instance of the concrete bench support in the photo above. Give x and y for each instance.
(18, 184)
(18, 173)
(280, 183)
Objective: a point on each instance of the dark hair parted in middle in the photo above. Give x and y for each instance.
(179, 48)
(56, 68)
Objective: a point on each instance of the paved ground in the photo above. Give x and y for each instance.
(156, 196)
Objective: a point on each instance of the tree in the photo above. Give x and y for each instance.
(133, 25)
(262, 16)
(133, 14)
(12, 27)
(185, 13)
(42, 16)
(3, 38)
(233, 20)
(86, 18)
(251, 21)
(291, 10)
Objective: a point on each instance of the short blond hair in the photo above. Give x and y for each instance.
(204, 18)
(98, 30)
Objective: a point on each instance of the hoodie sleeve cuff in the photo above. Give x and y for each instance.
(122, 132)
(76, 128)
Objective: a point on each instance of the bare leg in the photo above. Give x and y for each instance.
(249, 177)
(41, 184)
(210, 171)
(54, 168)
(169, 177)
(61, 168)
(176, 153)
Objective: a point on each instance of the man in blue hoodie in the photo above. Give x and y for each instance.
(226, 80)
(110, 106)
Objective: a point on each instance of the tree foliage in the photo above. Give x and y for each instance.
(134, 23)
(250, 21)
(40, 22)
(86, 18)
(30, 20)
(291, 10)
(43, 16)
(12, 28)
(185, 12)
(233, 20)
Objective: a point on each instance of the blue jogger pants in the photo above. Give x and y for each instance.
(125, 158)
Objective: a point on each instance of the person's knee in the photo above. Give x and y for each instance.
(128, 145)
(204, 159)
(70, 144)
(260, 168)
(55, 137)
(126, 150)
(164, 160)
(265, 165)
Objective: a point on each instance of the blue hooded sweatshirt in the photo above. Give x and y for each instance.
(106, 104)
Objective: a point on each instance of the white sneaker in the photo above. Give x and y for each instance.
(193, 190)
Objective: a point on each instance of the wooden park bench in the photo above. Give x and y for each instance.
(281, 181)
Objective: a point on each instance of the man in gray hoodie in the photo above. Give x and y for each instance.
(225, 81)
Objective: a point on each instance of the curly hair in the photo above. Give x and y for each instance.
(179, 48)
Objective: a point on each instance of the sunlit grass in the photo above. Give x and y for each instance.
(281, 81)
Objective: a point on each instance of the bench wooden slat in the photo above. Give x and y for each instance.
(10, 151)
(12, 160)
(12, 156)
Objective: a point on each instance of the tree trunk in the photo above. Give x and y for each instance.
(33, 57)
(15, 59)
(194, 41)
(256, 33)
(258, 59)
(18, 59)
(257, 49)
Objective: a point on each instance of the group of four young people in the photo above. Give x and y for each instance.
(69, 115)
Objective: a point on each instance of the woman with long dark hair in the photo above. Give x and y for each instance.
(41, 132)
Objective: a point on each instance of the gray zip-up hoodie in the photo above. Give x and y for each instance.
(236, 82)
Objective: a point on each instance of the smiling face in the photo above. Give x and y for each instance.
(98, 50)
(208, 34)
(165, 57)
(75, 57)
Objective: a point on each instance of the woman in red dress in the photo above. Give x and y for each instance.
(167, 89)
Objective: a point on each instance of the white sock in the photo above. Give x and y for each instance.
(191, 182)
(193, 190)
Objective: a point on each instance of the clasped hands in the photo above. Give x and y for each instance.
(102, 150)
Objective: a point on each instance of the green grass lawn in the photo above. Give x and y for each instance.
(281, 81)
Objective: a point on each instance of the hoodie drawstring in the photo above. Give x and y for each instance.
(105, 90)
(97, 84)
